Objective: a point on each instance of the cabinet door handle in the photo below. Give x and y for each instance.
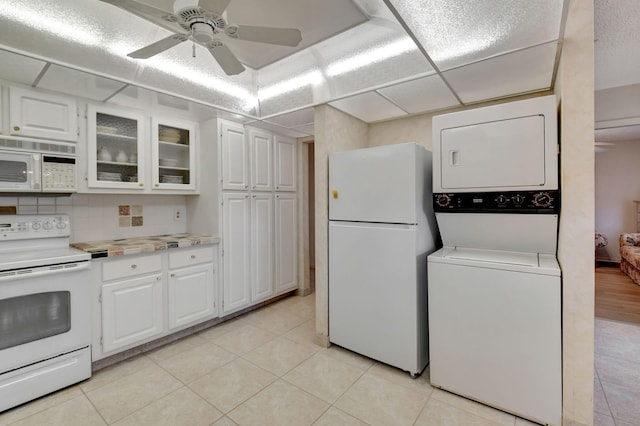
(193, 256)
(158, 278)
(157, 185)
(140, 184)
(134, 266)
(16, 128)
(173, 275)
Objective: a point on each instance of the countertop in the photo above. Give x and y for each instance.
(125, 246)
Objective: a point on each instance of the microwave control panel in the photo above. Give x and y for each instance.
(58, 174)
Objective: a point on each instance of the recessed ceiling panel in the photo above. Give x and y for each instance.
(79, 83)
(368, 107)
(317, 21)
(309, 129)
(458, 32)
(18, 68)
(520, 72)
(421, 95)
(284, 131)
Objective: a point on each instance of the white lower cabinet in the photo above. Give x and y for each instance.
(261, 247)
(131, 311)
(236, 256)
(143, 297)
(190, 295)
(286, 242)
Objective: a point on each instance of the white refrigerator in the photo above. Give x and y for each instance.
(381, 230)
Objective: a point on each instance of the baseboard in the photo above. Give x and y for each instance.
(607, 263)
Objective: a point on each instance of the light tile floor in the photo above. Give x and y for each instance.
(263, 369)
(617, 374)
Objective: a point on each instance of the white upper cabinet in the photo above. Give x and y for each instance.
(42, 115)
(235, 173)
(286, 156)
(116, 155)
(124, 157)
(173, 154)
(260, 145)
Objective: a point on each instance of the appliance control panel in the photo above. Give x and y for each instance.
(23, 227)
(498, 202)
(58, 174)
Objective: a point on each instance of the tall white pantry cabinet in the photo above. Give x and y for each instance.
(259, 215)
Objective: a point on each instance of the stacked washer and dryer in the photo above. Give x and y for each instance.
(495, 288)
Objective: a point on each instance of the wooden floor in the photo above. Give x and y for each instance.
(617, 297)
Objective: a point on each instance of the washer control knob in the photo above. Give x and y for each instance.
(502, 199)
(542, 199)
(443, 200)
(518, 199)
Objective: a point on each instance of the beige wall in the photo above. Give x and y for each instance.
(334, 131)
(575, 242)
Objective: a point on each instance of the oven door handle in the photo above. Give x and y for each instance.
(45, 271)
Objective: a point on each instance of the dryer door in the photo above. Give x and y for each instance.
(497, 154)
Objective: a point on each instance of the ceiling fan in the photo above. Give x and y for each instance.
(204, 20)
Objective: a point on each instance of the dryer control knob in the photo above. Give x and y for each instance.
(518, 199)
(443, 200)
(542, 199)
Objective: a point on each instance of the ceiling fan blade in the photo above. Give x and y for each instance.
(159, 46)
(225, 57)
(154, 15)
(282, 36)
(216, 6)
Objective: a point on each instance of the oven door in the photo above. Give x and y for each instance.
(44, 312)
(19, 172)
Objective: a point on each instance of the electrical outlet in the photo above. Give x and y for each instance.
(179, 215)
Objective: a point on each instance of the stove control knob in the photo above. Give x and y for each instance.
(502, 199)
(36, 226)
(518, 199)
(47, 225)
(542, 199)
(443, 200)
(61, 224)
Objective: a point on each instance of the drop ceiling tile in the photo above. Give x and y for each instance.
(519, 72)
(278, 129)
(293, 119)
(19, 68)
(368, 107)
(458, 32)
(421, 95)
(309, 129)
(79, 83)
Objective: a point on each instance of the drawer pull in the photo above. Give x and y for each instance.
(193, 256)
(158, 278)
(173, 275)
(134, 266)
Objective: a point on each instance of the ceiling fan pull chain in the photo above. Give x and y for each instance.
(193, 46)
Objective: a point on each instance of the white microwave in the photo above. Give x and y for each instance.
(22, 171)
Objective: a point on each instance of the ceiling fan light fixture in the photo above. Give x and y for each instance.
(202, 33)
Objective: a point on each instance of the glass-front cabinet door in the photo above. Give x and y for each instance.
(115, 144)
(174, 154)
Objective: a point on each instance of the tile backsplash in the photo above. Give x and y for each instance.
(100, 217)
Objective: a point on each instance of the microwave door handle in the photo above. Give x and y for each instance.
(36, 178)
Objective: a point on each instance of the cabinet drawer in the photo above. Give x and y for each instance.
(188, 257)
(131, 266)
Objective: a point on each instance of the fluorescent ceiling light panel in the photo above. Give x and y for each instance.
(372, 56)
(309, 78)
